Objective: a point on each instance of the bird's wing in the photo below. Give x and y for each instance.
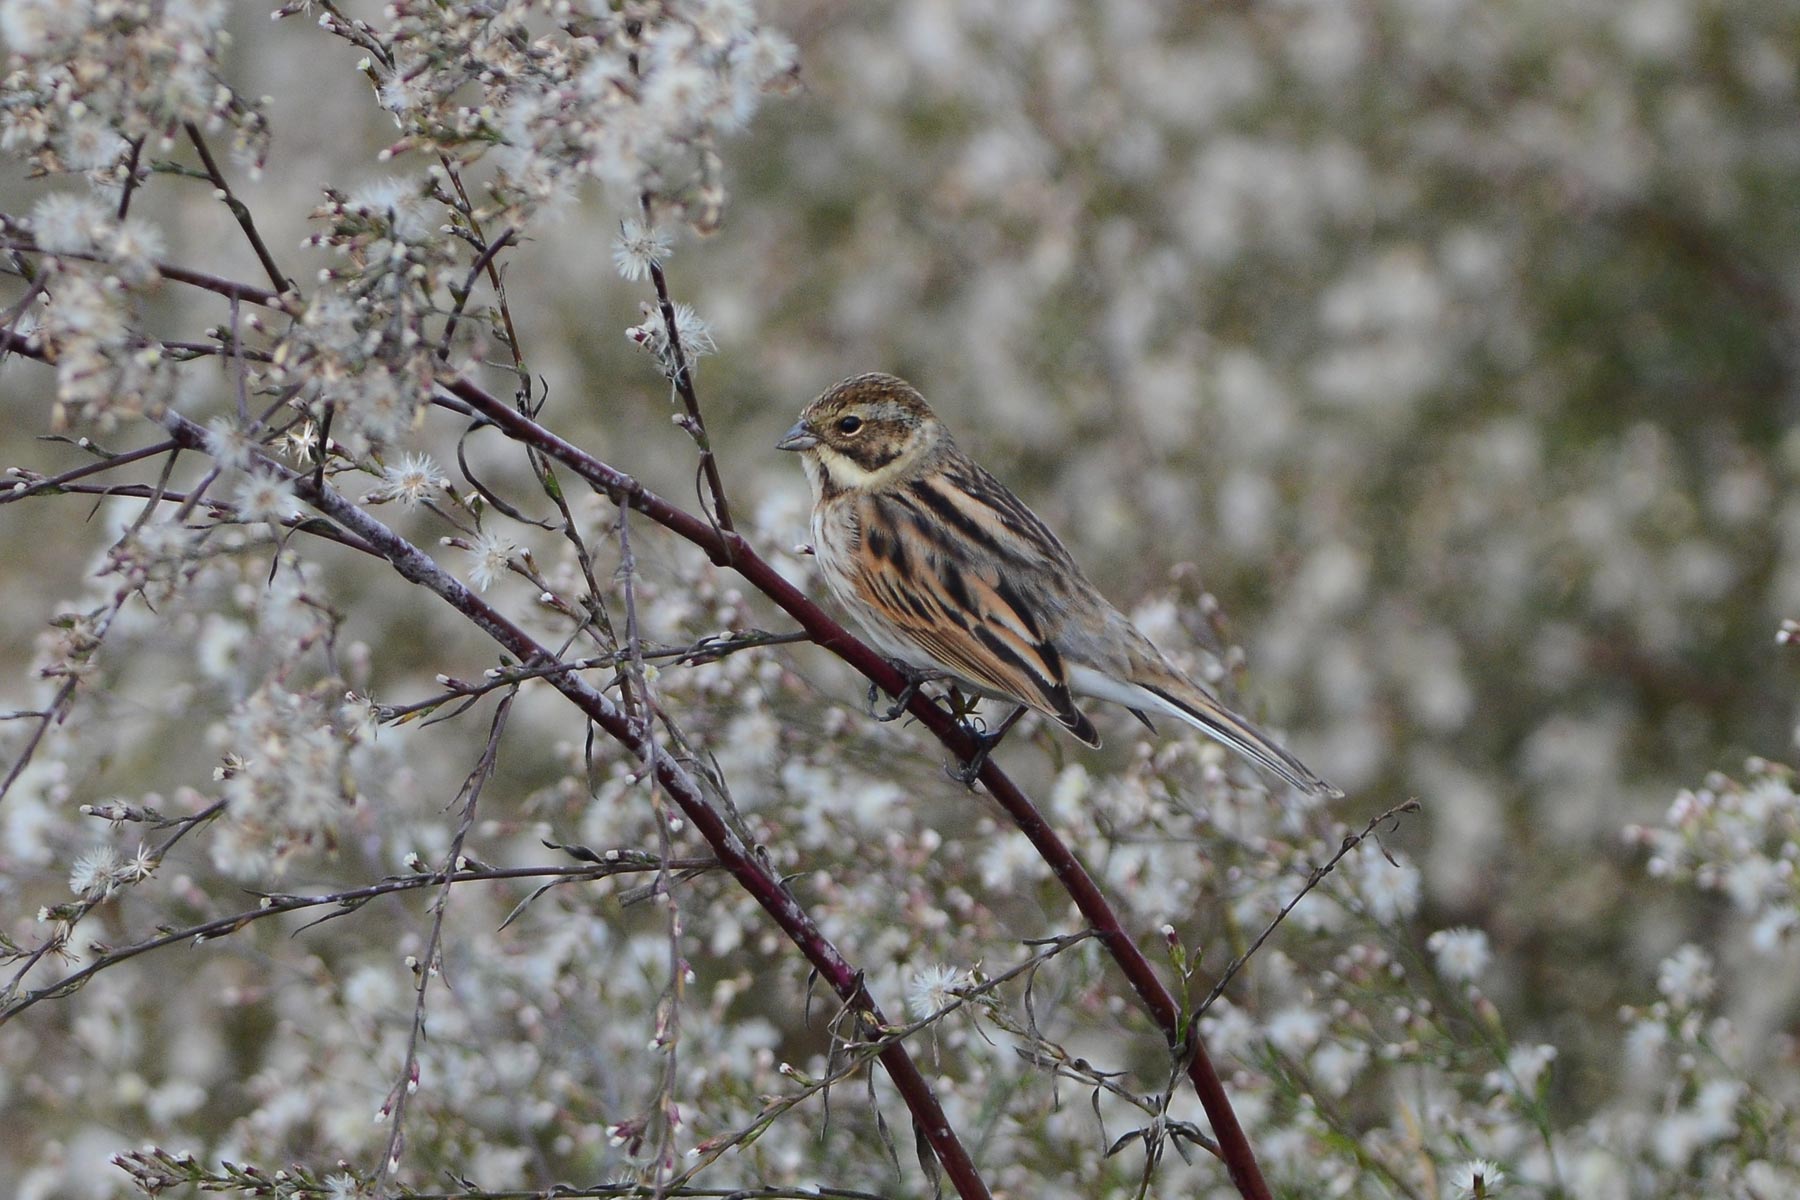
(934, 562)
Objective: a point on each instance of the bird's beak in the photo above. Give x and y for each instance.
(798, 438)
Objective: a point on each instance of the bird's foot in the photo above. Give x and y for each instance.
(915, 679)
(970, 771)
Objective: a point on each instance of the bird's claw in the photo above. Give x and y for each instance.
(970, 771)
(915, 679)
(896, 710)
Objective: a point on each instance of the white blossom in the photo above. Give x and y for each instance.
(1525, 1067)
(70, 223)
(411, 481)
(399, 203)
(229, 443)
(638, 247)
(343, 1186)
(489, 558)
(1686, 976)
(31, 27)
(134, 249)
(1295, 1029)
(1475, 1179)
(86, 144)
(1461, 953)
(265, 496)
(95, 872)
(1390, 889)
(1229, 1029)
(1335, 1066)
(933, 989)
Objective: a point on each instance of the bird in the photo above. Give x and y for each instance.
(950, 575)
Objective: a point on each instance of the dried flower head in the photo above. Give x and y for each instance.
(639, 247)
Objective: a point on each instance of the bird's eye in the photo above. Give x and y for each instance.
(849, 424)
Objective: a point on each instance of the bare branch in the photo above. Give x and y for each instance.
(431, 963)
(275, 904)
(1313, 879)
(239, 210)
(684, 384)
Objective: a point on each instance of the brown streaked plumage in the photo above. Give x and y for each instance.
(948, 572)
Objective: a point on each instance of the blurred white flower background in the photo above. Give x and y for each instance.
(1420, 372)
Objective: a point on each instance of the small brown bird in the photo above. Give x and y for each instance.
(950, 574)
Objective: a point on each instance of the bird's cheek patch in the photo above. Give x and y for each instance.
(847, 472)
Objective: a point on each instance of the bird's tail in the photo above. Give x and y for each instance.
(1203, 712)
(1159, 688)
(1221, 724)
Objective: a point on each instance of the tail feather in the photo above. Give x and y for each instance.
(1184, 701)
(1216, 721)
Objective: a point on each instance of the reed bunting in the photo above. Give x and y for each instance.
(950, 574)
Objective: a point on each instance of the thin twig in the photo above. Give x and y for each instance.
(460, 297)
(684, 385)
(239, 210)
(707, 650)
(52, 482)
(1313, 879)
(430, 964)
(131, 176)
(668, 1006)
(349, 900)
(58, 708)
(494, 280)
(73, 916)
(156, 1170)
(183, 351)
(221, 511)
(861, 1051)
(225, 287)
(16, 240)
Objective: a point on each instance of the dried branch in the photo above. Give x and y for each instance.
(16, 240)
(707, 650)
(58, 708)
(239, 210)
(684, 385)
(274, 904)
(460, 296)
(31, 485)
(156, 1170)
(69, 916)
(1313, 879)
(862, 1051)
(131, 176)
(431, 963)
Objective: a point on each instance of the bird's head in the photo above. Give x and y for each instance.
(865, 432)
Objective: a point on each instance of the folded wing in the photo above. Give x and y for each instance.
(941, 582)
